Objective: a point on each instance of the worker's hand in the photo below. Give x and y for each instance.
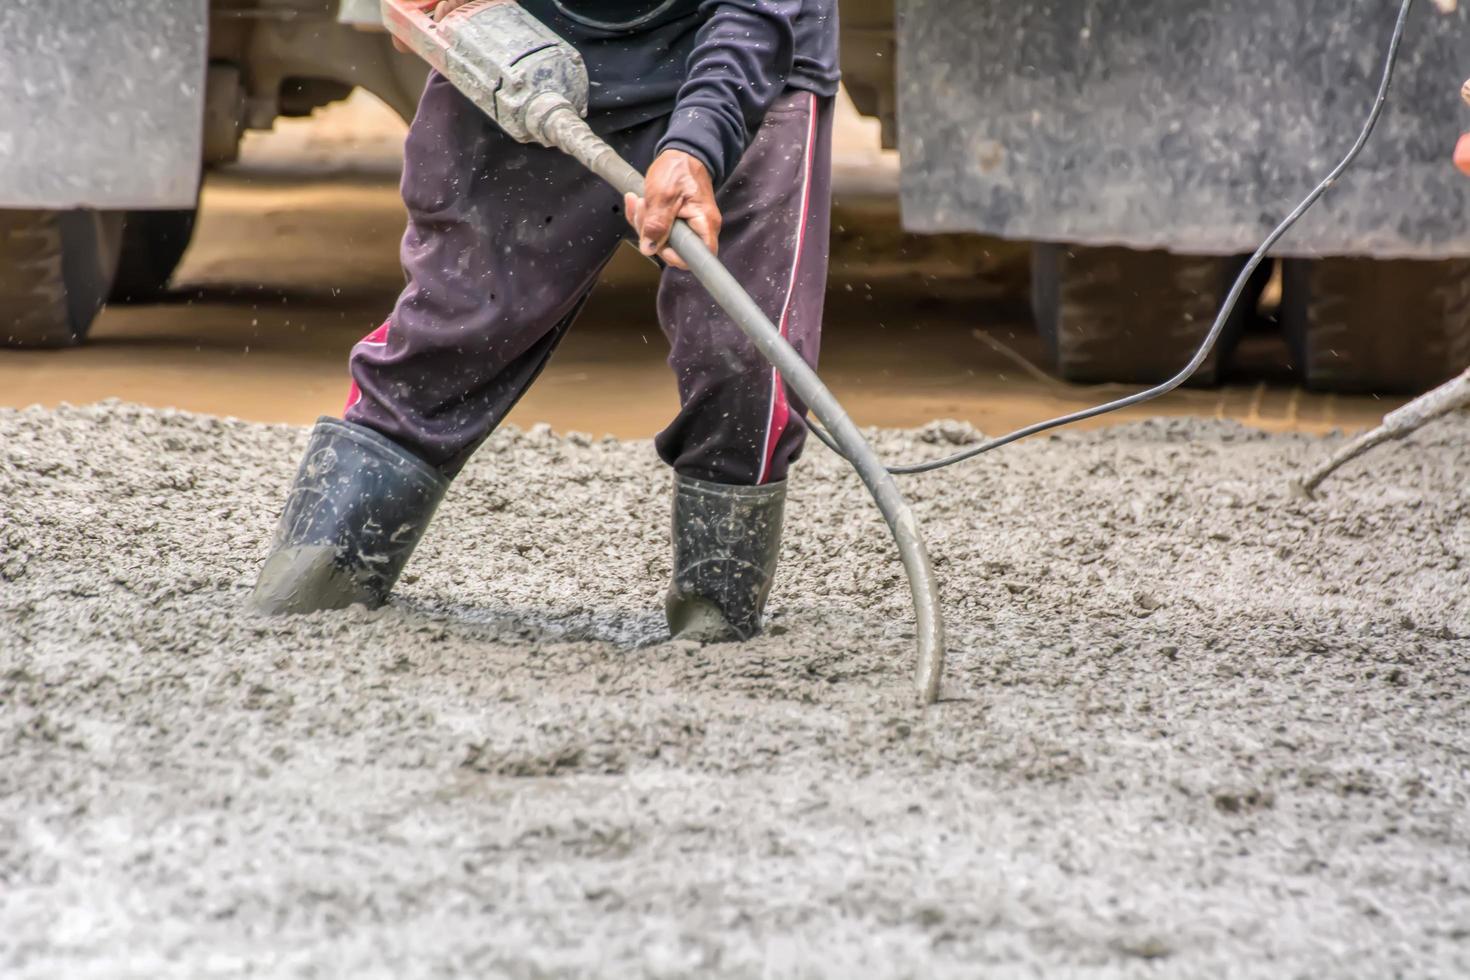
(439, 8)
(677, 186)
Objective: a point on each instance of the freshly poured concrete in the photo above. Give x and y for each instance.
(1193, 725)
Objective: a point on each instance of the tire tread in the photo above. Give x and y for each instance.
(33, 298)
(1111, 314)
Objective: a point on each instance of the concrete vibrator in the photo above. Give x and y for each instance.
(534, 85)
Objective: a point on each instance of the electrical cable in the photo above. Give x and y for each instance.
(1232, 299)
(614, 26)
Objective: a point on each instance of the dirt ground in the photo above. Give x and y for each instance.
(296, 258)
(1192, 725)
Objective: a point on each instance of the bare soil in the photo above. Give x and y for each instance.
(1193, 725)
(296, 258)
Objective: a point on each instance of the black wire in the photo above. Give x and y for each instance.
(1231, 300)
(641, 20)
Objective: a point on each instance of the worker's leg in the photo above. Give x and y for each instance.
(738, 424)
(739, 428)
(504, 242)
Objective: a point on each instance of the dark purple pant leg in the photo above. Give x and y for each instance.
(738, 424)
(504, 243)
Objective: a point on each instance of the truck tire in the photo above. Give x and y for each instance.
(56, 269)
(153, 242)
(1110, 314)
(1375, 325)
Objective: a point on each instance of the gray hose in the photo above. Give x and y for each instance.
(564, 129)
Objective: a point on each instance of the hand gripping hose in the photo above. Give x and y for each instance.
(534, 85)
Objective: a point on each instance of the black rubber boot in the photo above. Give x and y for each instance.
(360, 504)
(726, 542)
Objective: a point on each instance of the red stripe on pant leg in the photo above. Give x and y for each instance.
(378, 338)
(780, 413)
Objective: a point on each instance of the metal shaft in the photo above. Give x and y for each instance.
(563, 128)
(1451, 396)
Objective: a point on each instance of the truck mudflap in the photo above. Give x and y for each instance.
(103, 103)
(1189, 125)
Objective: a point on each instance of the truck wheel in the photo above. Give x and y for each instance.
(153, 242)
(1372, 325)
(56, 268)
(1115, 314)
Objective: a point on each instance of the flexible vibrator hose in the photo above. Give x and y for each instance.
(533, 84)
(571, 134)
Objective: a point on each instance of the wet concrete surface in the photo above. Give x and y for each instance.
(1192, 725)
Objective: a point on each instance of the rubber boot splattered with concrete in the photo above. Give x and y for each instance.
(726, 543)
(358, 508)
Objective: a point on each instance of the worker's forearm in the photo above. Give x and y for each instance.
(738, 67)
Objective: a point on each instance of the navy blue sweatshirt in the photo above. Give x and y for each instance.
(713, 66)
